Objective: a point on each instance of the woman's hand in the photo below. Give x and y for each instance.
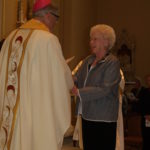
(75, 91)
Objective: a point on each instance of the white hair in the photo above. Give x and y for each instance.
(107, 32)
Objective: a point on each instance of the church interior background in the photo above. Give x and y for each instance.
(130, 19)
(76, 18)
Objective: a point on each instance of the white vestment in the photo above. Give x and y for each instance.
(120, 128)
(35, 81)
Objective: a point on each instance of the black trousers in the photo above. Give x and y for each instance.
(98, 135)
(145, 135)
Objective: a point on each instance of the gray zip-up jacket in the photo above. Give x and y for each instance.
(99, 88)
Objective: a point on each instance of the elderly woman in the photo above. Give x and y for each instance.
(97, 84)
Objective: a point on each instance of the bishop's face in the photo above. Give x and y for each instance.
(50, 21)
(97, 43)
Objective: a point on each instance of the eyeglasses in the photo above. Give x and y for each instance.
(57, 17)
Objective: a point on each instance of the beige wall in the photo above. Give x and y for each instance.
(133, 15)
(58, 27)
(78, 17)
(9, 16)
(0, 20)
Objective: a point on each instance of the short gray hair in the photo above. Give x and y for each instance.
(48, 9)
(107, 32)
